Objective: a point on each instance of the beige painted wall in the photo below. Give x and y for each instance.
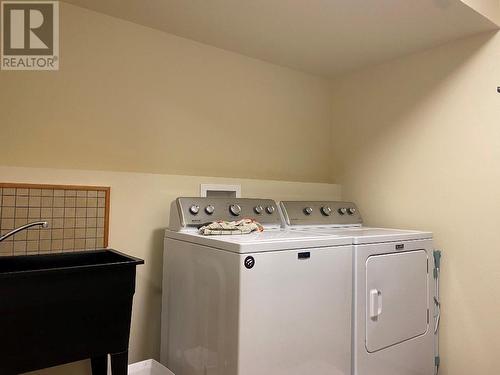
(139, 214)
(488, 8)
(130, 98)
(418, 146)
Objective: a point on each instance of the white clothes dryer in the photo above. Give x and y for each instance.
(394, 310)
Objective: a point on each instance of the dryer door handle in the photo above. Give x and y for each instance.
(375, 304)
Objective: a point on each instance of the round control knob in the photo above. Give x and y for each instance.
(342, 211)
(326, 210)
(308, 210)
(194, 209)
(351, 211)
(210, 209)
(258, 209)
(235, 209)
(270, 209)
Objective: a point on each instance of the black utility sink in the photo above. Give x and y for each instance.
(61, 308)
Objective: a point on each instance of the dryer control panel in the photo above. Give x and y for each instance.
(320, 213)
(193, 212)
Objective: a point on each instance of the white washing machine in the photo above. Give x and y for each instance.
(394, 312)
(276, 302)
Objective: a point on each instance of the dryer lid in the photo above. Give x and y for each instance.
(365, 235)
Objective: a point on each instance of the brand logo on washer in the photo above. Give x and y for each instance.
(249, 262)
(400, 246)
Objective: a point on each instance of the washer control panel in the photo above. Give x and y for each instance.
(320, 213)
(186, 212)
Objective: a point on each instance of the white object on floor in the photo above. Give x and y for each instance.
(149, 367)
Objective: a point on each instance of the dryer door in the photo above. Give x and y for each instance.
(396, 298)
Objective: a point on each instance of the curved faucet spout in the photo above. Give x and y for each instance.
(42, 224)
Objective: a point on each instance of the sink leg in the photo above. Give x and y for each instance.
(119, 363)
(99, 365)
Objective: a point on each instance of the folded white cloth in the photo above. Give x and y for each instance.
(243, 226)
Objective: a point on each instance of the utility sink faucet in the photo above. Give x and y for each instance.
(42, 224)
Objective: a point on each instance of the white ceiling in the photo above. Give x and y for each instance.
(324, 37)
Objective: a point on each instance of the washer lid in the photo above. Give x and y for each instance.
(271, 240)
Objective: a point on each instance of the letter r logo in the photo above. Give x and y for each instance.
(18, 29)
(28, 28)
(29, 35)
